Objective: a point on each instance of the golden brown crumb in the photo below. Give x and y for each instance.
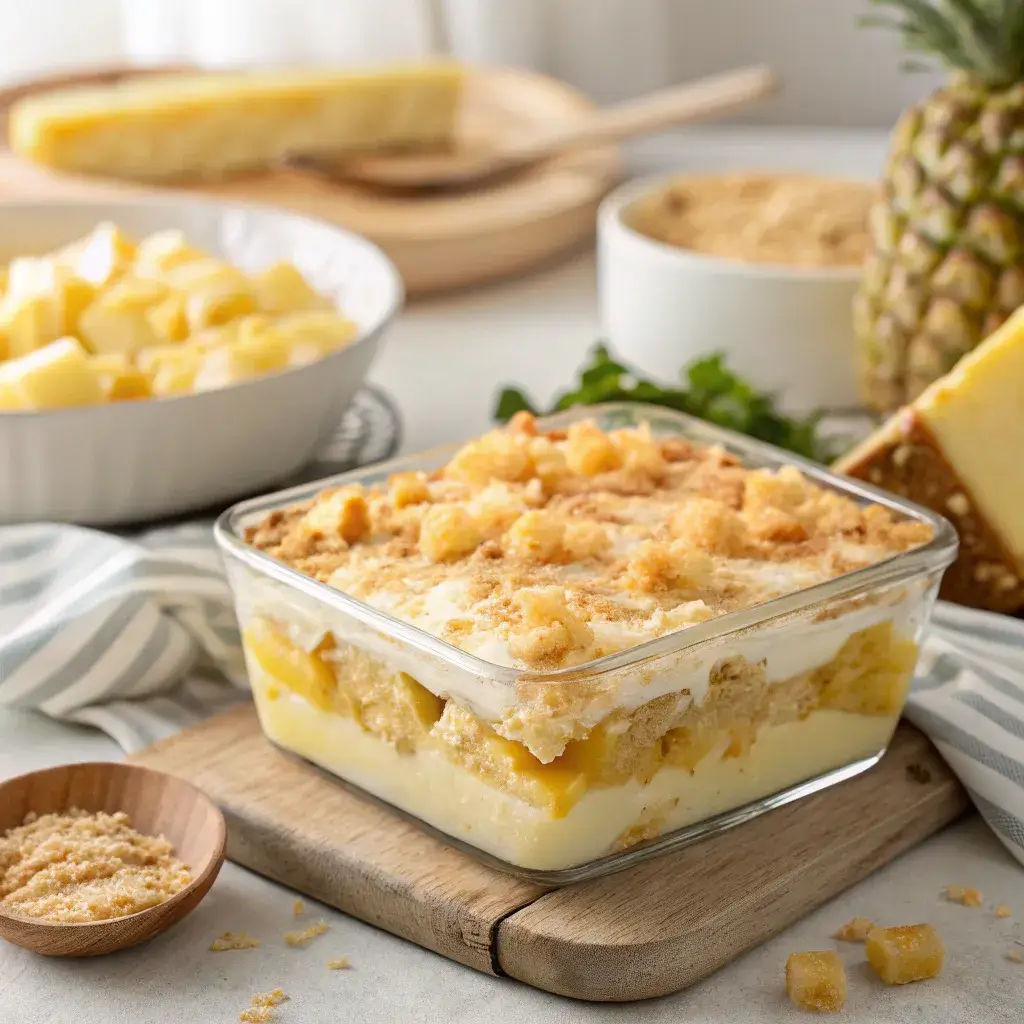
(905, 953)
(301, 938)
(1002, 911)
(339, 963)
(964, 896)
(234, 940)
(1015, 956)
(262, 1008)
(855, 930)
(78, 867)
(816, 981)
(298, 907)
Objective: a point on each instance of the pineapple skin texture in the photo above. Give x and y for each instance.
(947, 261)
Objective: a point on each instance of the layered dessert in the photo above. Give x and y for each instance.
(556, 687)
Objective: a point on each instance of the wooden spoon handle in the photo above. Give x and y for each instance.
(694, 101)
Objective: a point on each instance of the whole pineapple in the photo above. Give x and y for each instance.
(947, 264)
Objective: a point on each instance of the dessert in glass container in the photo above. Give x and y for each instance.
(573, 642)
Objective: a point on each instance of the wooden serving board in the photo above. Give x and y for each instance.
(647, 931)
(439, 241)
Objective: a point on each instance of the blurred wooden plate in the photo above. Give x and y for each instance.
(439, 241)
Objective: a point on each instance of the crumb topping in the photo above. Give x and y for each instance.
(964, 895)
(855, 930)
(310, 933)
(339, 963)
(77, 867)
(262, 1008)
(234, 940)
(543, 551)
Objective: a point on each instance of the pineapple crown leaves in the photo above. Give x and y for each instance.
(984, 38)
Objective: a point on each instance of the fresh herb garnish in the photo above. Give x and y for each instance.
(710, 391)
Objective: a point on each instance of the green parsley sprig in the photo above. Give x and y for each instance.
(709, 391)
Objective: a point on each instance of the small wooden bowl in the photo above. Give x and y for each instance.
(157, 804)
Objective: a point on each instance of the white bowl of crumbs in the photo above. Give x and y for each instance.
(762, 267)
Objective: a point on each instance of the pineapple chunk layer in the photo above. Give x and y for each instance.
(816, 981)
(906, 953)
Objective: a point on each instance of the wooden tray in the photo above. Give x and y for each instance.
(652, 929)
(438, 241)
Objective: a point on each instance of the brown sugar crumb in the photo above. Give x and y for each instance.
(339, 963)
(234, 940)
(816, 981)
(301, 938)
(1002, 911)
(297, 908)
(964, 896)
(905, 953)
(262, 1008)
(855, 930)
(77, 867)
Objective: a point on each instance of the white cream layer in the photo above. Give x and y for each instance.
(461, 804)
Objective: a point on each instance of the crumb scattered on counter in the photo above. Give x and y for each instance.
(234, 940)
(77, 867)
(339, 963)
(298, 907)
(301, 938)
(967, 897)
(1015, 956)
(262, 1008)
(1002, 911)
(855, 930)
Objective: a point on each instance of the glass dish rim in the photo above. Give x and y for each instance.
(937, 553)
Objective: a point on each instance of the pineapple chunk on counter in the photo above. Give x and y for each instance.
(816, 981)
(155, 319)
(906, 953)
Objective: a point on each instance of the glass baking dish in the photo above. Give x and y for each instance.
(368, 697)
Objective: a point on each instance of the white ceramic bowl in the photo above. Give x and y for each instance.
(132, 461)
(784, 329)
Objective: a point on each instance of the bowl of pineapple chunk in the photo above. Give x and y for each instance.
(162, 356)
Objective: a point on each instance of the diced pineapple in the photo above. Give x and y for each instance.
(121, 381)
(816, 981)
(29, 322)
(282, 289)
(74, 295)
(258, 340)
(101, 256)
(447, 533)
(856, 929)
(167, 318)
(343, 513)
(905, 953)
(215, 292)
(118, 320)
(314, 334)
(302, 672)
(53, 377)
(172, 368)
(162, 251)
(10, 396)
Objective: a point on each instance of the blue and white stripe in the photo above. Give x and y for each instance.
(137, 637)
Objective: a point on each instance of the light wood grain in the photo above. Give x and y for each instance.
(653, 929)
(157, 804)
(440, 240)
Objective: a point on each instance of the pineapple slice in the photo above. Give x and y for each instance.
(816, 981)
(53, 377)
(282, 289)
(905, 953)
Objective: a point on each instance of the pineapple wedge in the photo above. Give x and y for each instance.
(52, 377)
(957, 449)
(208, 125)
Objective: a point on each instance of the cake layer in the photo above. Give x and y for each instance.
(196, 126)
(459, 803)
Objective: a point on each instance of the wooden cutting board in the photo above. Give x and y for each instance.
(647, 931)
(439, 241)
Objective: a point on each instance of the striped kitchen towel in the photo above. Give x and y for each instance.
(138, 638)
